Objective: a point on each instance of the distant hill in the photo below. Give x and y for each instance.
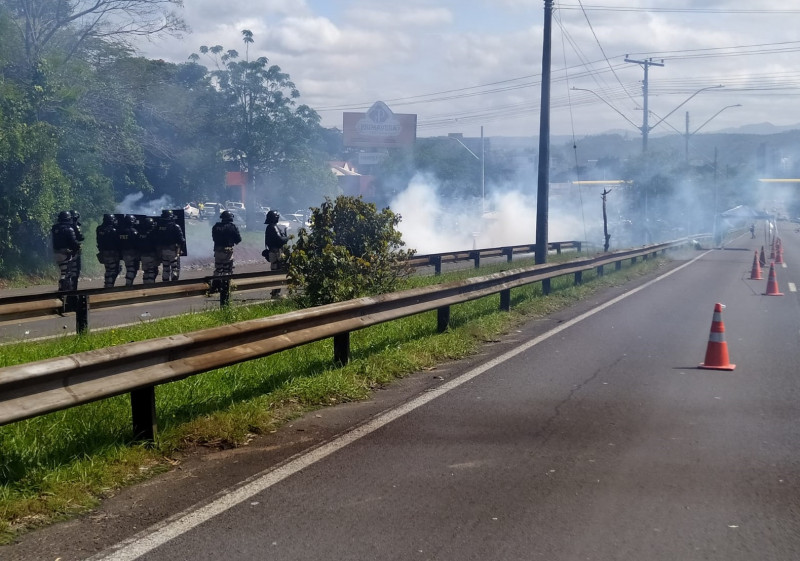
(760, 128)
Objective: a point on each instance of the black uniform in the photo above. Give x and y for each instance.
(170, 239)
(275, 238)
(65, 251)
(108, 249)
(225, 235)
(76, 225)
(146, 242)
(129, 248)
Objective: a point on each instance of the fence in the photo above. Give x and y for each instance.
(36, 388)
(80, 302)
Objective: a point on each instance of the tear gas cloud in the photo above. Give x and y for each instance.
(431, 224)
(200, 248)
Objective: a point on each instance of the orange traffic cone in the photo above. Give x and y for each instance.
(755, 272)
(717, 350)
(762, 260)
(779, 252)
(772, 282)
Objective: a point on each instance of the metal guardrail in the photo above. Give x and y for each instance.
(80, 302)
(32, 389)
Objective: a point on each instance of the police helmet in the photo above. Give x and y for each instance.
(166, 214)
(130, 219)
(226, 216)
(65, 216)
(147, 223)
(273, 217)
(109, 219)
(76, 216)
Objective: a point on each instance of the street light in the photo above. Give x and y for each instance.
(645, 129)
(482, 159)
(688, 134)
(621, 114)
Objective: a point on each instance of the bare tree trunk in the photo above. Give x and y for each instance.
(606, 235)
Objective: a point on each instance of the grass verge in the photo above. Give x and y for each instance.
(58, 465)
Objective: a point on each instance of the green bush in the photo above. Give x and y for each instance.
(351, 250)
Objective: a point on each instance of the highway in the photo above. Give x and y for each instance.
(591, 435)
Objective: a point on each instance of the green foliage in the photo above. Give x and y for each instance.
(32, 189)
(352, 250)
(266, 132)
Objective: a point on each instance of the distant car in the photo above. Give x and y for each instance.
(296, 219)
(210, 211)
(235, 206)
(190, 211)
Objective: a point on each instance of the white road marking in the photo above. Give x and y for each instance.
(159, 534)
(792, 287)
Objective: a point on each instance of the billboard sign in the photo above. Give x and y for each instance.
(379, 128)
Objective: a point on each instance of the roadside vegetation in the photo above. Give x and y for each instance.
(58, 465)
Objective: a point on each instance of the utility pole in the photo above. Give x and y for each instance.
(543, 191)
(646, 64)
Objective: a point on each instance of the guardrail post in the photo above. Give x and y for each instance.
(578, 246)
(476, 256)
(224, 291)
(505, 300)
(557, 245)
(442, 318)
(81, 313)
(509, 253)
(633, 260)
(618, 265)
(341, 348)
(578, 277)
(143, 412)
(545, 286)
(436, 261)
(600, 270)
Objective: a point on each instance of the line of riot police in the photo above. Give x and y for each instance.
(138, 241)
(146, 242)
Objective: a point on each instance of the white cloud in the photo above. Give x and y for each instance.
(353, 52)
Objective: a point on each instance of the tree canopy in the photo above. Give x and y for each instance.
(85, 123)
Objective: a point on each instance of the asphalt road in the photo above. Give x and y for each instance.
(588, 435)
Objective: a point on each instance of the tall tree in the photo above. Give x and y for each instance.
(259, 113)
(64, 27)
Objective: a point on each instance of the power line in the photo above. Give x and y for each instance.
(581, 6)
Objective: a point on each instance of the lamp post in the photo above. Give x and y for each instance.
(482, 160)
(620, 113)
(645, 129)
(688, 134)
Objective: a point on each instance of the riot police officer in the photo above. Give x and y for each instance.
(275, 238)
(129, 247)
(146, 243)
(76, 225)
(170, 239)
(225, 235)
(65, 251)
(108, 249)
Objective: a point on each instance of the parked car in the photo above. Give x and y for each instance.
(235, 206)
(191, 211)
(210, 211)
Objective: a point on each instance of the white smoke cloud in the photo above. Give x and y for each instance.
(431, 224)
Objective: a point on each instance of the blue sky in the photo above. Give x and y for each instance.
(463, 65)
